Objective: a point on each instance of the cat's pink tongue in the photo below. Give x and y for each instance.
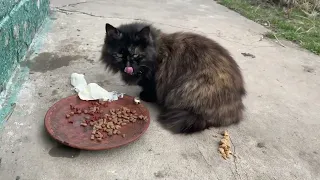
(128, 70)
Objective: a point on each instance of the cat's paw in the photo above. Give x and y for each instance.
(147, 96)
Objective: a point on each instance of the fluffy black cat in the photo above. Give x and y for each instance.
(194, 79)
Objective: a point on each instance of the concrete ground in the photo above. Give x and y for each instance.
(279, 138)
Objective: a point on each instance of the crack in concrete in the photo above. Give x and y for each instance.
(234, 175)
(67, 11)
(13, 106)
(75, 4)
(234, 160)
(206, 160)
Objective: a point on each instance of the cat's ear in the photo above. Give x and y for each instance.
(144, 33)
(112, 31)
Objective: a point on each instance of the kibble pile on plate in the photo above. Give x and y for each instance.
(105, 124)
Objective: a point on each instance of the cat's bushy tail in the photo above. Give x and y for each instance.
(182, 121)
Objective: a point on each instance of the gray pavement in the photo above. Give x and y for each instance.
(279, 138)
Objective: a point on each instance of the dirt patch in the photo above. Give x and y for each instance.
(261, 145)
(49, 61)
(160, 174)
(64, 151)
(308, 69)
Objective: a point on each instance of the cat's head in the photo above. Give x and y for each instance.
(129, 49)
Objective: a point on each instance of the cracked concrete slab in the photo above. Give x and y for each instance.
(277, 140)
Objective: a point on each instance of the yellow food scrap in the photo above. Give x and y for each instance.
(225, 145)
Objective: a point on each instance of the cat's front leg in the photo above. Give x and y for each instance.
(148, 84)
(148, 92)
(148, 96)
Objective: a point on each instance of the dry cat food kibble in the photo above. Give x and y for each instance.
(105, 124)
(136, 101)
(225, 146)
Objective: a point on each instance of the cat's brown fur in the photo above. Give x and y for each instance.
(197, 75)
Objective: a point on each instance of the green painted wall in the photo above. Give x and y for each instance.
(19, 21)
(6, 6)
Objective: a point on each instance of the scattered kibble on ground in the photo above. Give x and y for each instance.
(225, 145)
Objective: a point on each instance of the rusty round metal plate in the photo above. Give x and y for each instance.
(76, 136)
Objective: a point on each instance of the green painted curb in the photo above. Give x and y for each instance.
(19, 22)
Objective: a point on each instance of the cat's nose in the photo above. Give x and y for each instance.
(128, 64)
